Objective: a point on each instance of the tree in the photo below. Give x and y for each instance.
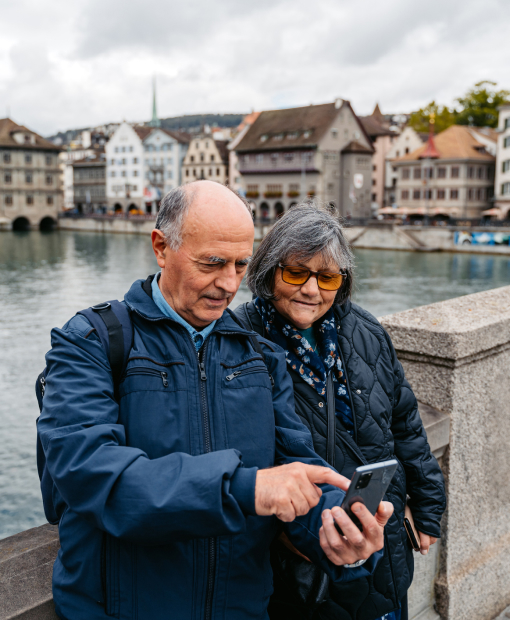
(479, 106)
(444, 117)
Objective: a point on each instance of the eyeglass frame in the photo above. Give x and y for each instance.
(316, 274)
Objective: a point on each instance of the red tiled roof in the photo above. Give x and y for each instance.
(8, 127)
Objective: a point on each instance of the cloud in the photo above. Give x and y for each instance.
(68, 64)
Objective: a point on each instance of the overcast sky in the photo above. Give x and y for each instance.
(67, 64)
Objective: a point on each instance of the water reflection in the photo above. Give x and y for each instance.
(45, 278)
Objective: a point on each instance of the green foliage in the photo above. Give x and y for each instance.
(444, 117)
(478, 107)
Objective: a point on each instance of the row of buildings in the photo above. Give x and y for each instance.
(361, 166)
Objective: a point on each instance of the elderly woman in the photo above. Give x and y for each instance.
(345, 370)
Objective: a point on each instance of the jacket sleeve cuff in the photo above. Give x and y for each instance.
(242, 487)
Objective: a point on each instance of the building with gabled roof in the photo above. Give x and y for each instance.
(451, 175)
(317, 150)
(30, 178)
(206, 159)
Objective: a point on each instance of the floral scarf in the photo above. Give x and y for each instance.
(313, 366)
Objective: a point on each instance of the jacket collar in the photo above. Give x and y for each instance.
(343, 310)
(139, 300)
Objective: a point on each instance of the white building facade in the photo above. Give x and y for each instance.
(143, 164)
(502, 179)
(407, 142)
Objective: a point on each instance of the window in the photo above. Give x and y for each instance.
(123, 162)
(294, 187)
(187, 172)
(28, 159)
(288, 157)
(331, 187)
(8, 178)
(258, 158)
(196, 145)
(373, 182)
(481, 173)
(427, 194)
(406, 173)
(7, 158)
(278, 137)
(212, 157)
(217, 172)
(30, 199)
(480, 193)
(374, 167)
(293, 135)
(49, 179)
(123, 173)
(48, 160)
(202, 157)
(374, 197)
(416, 194)
(135, 173)
(274, 157)
(210, 172)
(8, 199)
(470, 172)
(192, 158)
(397, 154)
(506, 142)
(454, 194)
(334, 133)
(194, 172)
(135, 160)
(506, 164)
(130, 149)
(470, 194)
(505, 189)
(455, 172)
(123, 149)
(28, 177)
(441, 194)
(207, 144)
(428, 173)
(49, 200)
(112, 173)
(112, 162)
(407, 150)
(252, 189)
(441, 173)
(417, 173)
(405, 194)
(116, 149)
(169, 174)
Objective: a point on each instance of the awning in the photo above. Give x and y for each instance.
(494, 211)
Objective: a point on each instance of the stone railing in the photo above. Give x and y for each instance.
(456, 355)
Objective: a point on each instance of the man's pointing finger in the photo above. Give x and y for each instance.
(325, 475)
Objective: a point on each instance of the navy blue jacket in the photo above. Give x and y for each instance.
(387, 425)
(156, 491)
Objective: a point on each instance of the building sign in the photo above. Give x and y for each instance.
(151, 193)
(358, 180)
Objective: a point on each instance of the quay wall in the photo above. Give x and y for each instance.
(456, 355)
(379, 236)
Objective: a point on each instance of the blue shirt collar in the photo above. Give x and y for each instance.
(197, 337)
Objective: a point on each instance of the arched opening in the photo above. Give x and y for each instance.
(47, 224)
(21, 224)
(278, 210)
(292, 204)
(117, 208)
(133, 209)
(79, 208)
(264, 211)
(253, 208)
(148, 207)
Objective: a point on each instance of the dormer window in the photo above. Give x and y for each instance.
(334, 133)
(307, 134)
(22, 137)
(264, 137)
(293, 135)
(278, 136)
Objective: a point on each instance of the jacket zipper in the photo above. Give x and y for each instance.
(347, 383)
(140, 370)
(42, 381)
(207, 447)
(247, 371)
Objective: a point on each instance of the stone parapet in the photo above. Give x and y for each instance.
(456, 355)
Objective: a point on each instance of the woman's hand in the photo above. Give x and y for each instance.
(353, 545)
(425, 542)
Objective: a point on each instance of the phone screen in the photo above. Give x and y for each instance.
(368, 486)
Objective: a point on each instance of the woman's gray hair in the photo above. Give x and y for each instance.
(303, 232)
(174, 207)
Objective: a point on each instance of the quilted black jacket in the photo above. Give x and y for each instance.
(387, 425)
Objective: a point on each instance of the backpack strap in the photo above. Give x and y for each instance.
(112, 322)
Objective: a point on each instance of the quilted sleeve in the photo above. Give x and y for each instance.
(425, 483)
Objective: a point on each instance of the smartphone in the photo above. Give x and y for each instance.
(368, 486)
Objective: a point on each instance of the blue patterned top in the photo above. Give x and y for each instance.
(313, 366)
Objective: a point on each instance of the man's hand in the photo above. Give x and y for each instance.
(425, 542)
(290, 491)
(353, 545)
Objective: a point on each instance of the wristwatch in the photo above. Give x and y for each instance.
(355, 565)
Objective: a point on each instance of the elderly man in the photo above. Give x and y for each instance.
(166, 484)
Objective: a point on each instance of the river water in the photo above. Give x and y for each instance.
(46, 277)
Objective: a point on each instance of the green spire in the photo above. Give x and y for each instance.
(155, 122)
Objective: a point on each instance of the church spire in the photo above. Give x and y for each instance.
(155, 122)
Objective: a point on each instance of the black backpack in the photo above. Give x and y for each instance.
(112, 322)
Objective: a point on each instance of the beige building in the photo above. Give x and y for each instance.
(206, 158)
(318, 151)
(407, 142)
(89, 184)
(502, 184)
(382, 133)
(30, 178)
(452, 175)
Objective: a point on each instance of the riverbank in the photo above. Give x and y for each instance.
(376, 236)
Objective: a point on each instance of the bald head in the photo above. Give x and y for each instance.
(199, 199)
(203, 242)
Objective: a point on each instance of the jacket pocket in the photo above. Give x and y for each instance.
(151, 372)
(110, 582)
(246, 371)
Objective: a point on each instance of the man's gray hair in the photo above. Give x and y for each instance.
(305, 231)
(173, 209)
